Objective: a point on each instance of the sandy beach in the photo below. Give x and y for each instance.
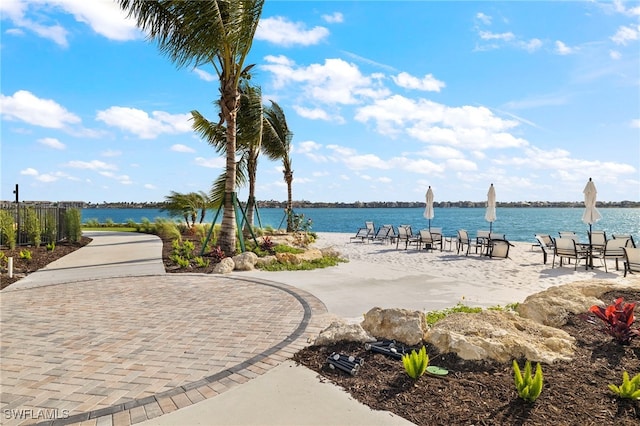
(380, 275)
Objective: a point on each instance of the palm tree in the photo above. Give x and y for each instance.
(249, 136)
(216, 32)
(188, 206)
(276, 143)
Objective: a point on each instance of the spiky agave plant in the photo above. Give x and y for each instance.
(415, 363)
(528, 386)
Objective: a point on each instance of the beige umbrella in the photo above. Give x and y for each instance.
(428, 211)
(490, 214)
(591, 215)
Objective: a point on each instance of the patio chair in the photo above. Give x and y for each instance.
(371, 228)
(546, 245)
(362, 235)
(464, 240)
(627, 237)
(393, 235)
(613, 249)
(436, 235)
(428, 240)
(566, 248)
(499, 248)
(405, 234)
(597, 239)
(632, 260)
(568, 234)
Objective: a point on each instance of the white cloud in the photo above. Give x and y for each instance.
(563, 49)
(281, 31)
(488, 35)
(428, 82)
(211, 163)
(635, 123)
(626, 34)
(334, 82)
(615, 55)
(25, 106)
(149, 186)
(531, 45)
(91, 165)
(181, 148)
(485, 19)
(142, 125)
(205, 75)
(29, 172)
(334, 18)
(52, 143)
(103, 16)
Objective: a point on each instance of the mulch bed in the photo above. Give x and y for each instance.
(40, 257)
(483, 392)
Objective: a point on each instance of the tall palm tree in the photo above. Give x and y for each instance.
(188, 206)
(276, 143)
(199, 32)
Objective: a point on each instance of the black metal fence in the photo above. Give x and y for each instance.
(50, 219)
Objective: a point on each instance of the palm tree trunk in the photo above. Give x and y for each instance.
(230, 103)
(252, 166)
(289, 179)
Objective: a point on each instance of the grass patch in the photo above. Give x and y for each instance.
(435, 316)
(113, 228)
(306, 265)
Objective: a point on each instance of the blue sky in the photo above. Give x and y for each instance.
(384, 99)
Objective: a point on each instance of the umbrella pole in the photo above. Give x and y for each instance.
(429, 225)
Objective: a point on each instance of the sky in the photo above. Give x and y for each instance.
(384, 99)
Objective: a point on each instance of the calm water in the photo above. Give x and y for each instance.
(519, 224)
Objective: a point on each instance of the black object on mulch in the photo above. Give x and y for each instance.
(483, 392)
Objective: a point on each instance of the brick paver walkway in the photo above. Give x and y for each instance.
(119, 351)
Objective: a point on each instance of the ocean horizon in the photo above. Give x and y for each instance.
(518, 224)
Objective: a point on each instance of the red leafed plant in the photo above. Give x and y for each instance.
(618, 319)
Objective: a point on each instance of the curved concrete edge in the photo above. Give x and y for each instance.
(140, 410)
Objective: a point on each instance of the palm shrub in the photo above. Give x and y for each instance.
(415, 363)
(630, 388)
(528, 386)
(166, 229)
(50, 227)
(73, 222)
(7, 229)
(32, 226)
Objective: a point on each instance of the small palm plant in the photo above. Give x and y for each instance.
(415, 363)
(528, 386)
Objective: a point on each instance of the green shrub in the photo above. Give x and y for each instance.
(32, 226)
(92, 223)
(108, 222)
(528, 386)
(415, 363)
(183, 249)
(73, 225)
(630, 388)
(145, 225)
(130, 223)
(283, 248)
(180, 261)
(51, 246)
(25, 254)
(7, 229)
(305, 265)
(166, 230)
(201, 262)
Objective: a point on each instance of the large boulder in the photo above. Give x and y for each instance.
(245, 261)
(341, 331)
(553, 306)
(225, 266)
(308, 255)
(501, 336)
(403, 325)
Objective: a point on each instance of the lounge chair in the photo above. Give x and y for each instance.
(567, 248)
(393, 235)
(381, 235)
(371, 228)
(464, 240)
(436, 235)
(362, 235)
(546, 245)
(632, 260)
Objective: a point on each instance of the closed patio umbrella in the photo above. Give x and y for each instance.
(591, 215)
(490, 214)
(428, 211)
